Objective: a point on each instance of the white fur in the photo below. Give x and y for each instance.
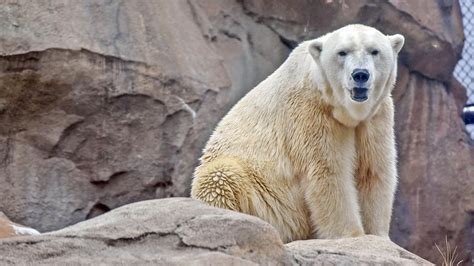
(24, 230)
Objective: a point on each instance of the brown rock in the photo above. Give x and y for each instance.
(250, 50)
(103, 104)
(101, 116)
(435, 199)
(433, 40)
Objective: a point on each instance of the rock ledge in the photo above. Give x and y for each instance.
(180, 231)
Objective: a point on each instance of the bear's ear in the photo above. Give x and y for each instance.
(315, 47)
(397, 42)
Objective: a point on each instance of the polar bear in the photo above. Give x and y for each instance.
(311, 149)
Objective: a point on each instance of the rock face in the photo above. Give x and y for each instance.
(180, 231)
(93, 117)
(107, 103)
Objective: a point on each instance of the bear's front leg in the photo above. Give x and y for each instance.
(376, 174)
(331, 197)
(376, 200)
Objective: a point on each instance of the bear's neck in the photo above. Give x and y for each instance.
(342, 116)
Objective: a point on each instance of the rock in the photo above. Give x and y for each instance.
(366, 250)
(435, 199)
(250, 50)
(180, 230)
(101, 116)
(11, 229)
(168, 231)
(433, 40)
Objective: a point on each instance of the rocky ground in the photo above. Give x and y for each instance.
(183, 231)
(104, 103)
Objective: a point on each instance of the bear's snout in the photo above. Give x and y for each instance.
(360, 76)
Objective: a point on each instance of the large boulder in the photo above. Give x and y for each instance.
(182, 231)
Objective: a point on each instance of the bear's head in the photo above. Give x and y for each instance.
(359, 64)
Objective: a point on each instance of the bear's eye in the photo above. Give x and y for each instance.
(375, 52)
(342, 53)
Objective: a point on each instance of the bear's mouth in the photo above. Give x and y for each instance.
(359, 94)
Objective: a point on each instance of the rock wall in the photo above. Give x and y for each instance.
(105, 103)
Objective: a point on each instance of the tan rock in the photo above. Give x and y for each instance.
(183, 231)
(366, 250)
(173, 231)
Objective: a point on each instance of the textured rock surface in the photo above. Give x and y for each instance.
(93, 117)
(180, 231)
(167, 231)
(109, 102)
(433, 39)
(367, 250)
(436, 193)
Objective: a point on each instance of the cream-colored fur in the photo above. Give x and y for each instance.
(297, 152)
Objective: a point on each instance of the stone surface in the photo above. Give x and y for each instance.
(168, 231)
(367, 250)
(109, 102)
(181, 231)
(94, 117)
(435, 199)
(433, 39)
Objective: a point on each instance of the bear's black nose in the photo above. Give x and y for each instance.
(360, 75)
